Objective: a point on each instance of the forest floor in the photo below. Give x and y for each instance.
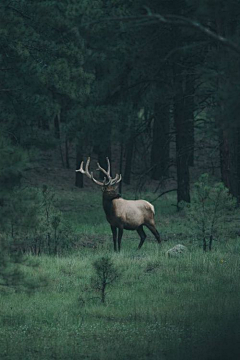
(157, 308)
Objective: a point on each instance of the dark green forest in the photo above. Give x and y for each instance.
(154, 86)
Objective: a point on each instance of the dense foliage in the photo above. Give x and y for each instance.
(151, 90)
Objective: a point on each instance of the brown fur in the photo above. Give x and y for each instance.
(128, 214)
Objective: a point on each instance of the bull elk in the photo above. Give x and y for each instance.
(120, 213)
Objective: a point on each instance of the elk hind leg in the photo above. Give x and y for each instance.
(154, 231)
(142, 235)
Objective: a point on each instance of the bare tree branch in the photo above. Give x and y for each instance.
(180, 20)
(174, 20)
(8, 90)
(163, 193)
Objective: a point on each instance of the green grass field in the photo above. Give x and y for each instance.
(158, 308)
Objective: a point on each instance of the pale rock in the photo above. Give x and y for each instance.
(177, 250)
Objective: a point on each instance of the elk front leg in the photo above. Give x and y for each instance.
(114, 233)
(142, 235)
(120, 233)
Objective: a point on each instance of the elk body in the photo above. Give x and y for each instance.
(120, 213)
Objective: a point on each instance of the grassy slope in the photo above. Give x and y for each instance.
(160, 308)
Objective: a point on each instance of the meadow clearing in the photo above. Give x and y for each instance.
(157, 308)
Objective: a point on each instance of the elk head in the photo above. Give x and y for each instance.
(109, 184)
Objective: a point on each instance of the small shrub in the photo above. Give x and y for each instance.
(210, 207)
(105, 275)
(55, 231)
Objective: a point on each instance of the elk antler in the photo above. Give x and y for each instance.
(117, 179)
(86, 172)
(107, 173)
(111, 181)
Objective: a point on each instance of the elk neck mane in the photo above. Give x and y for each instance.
(107, 201)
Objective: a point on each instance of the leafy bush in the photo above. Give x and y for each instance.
(210, 208)
(31, 219)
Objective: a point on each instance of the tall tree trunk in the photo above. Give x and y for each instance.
(230, 160)
(79, 159)
(189, 114)
(67, 153)
(61, 154)
(57, 126)
(224, 158)
(235, 164)
(229, 137)
(120, 166)
(128, 163)
(182, 143)
(161, 144)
